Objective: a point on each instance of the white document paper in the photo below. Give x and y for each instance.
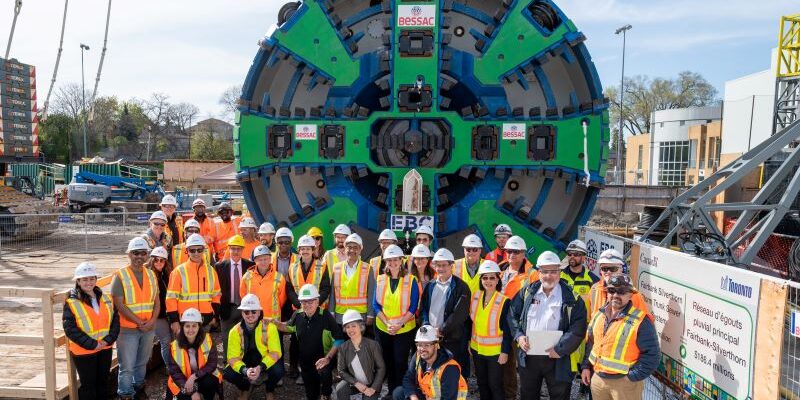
(541, 341)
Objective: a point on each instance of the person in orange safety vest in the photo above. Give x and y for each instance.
(226, 228)
(432, 373)
(193, 284)
(267, 283)
(192, 361)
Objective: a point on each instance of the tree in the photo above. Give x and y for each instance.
(644, 95)
(68, 101)
(205, 146)
(54, 137)
(229, 99)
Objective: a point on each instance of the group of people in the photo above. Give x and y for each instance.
(418, 322)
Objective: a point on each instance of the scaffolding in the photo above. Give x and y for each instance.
(787, 83)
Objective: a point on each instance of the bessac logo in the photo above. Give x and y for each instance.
(416, 11)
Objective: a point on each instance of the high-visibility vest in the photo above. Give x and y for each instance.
(520, 280)
(460, 270)
(615, 350)
(487, 337)
(193, 285)
(95, 325)
(153, 244)
(176, 236)
(270, 289)
(181, 358)
(208, 230)
(395, 303)
(598, 296)
(180, 256)
(139, 299)
(268, 343)
(430, 382)
(497, 255)
(581, 286)
(225, 231)
(350, 293)
(331, 258)
(375, 264)
(315, 274)
(248, 249)
(292, 259)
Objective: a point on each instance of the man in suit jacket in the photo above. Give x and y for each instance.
(445, 306)
(230, 272)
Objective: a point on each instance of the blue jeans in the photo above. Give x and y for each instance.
(134, 348)
(164, 335)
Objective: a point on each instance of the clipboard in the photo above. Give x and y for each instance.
(541, 341)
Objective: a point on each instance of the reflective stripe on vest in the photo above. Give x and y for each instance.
(314, 274)
(331, 258)
(430, 382)
(275, 307)
(346, 295)
(581, 286)
(462, 271)
(181, 357)
(614, 350)
(395, 304)
(189, 296)
(263, 342)
(139, 299)
(375, 264)
(94, 325)
(487, 337)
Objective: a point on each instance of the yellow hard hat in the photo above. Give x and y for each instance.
(314, 232)
(236, 240)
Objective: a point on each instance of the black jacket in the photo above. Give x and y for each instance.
(457, 323)
(78, 336)
(223, 269)
(573, 324)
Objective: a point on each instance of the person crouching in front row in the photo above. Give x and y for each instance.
(192, 361)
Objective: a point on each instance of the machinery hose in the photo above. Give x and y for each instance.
(794, 260)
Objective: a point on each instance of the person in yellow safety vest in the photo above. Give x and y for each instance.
(135, 292)
(491, 336)
(543, 307)
(247, 230)
(266, 235)
(266, 283)
(622, 347)
(226, 228)
(575, 274)
(432, 373)
(174, 221)
(91, 323)
(319, 247)
(156, 234)
(179, 254)
(337, 253)
(353, 283)
(193, 284)
(208, 228)
(421, 265)
(254, 351)
(610, 263)
(385, 239)
(397, 294)
(192, 361)
(467, 268)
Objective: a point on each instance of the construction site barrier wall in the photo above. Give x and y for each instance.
(615, 199)
(725, 332)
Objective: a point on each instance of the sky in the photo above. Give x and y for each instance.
(194, 50)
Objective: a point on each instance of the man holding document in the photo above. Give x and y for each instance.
(548, 323)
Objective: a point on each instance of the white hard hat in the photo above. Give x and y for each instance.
(354, 238)
(351, 316)
(393, 251)
(306, 241)
(85, 270)
(488, 266)
(516, 243)
(198, 202)
(427, 333)
(387, 234)
(421, 250)
(158, 215)
(502, 229)
(260, 250)
(137, 243)
(577, 245)
(250, 302)
(308, 292)
(192, 223)
(159, 252)
(443, 255)
(284, 232)
(424, 229)
(611, 256)
(342, 229)
(548, 258)
(195, 240)
(169, 200)
(472, 241)
(192, 315)
(266, 228)
(247, 222)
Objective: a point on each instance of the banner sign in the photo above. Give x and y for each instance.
(596, 243)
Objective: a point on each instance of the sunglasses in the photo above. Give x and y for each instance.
(471, 250)
(159, 224)
(249, 312)
(192, 230)
(514, 251)
(159, 260)
(609, 269)
(139, 252)
(574, 254)
(195, 251)
(488, 278)
(617, 291)
(284, 243)
(318, 238)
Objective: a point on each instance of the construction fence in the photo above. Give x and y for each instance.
(721, 328)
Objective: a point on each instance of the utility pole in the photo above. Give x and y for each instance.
(620, 141)
(83, 97)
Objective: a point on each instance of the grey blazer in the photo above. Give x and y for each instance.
(371, 359)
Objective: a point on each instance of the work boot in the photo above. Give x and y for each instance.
(299, 380)
(243, 395)
(270, 396)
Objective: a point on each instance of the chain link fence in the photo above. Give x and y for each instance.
(790, 360)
